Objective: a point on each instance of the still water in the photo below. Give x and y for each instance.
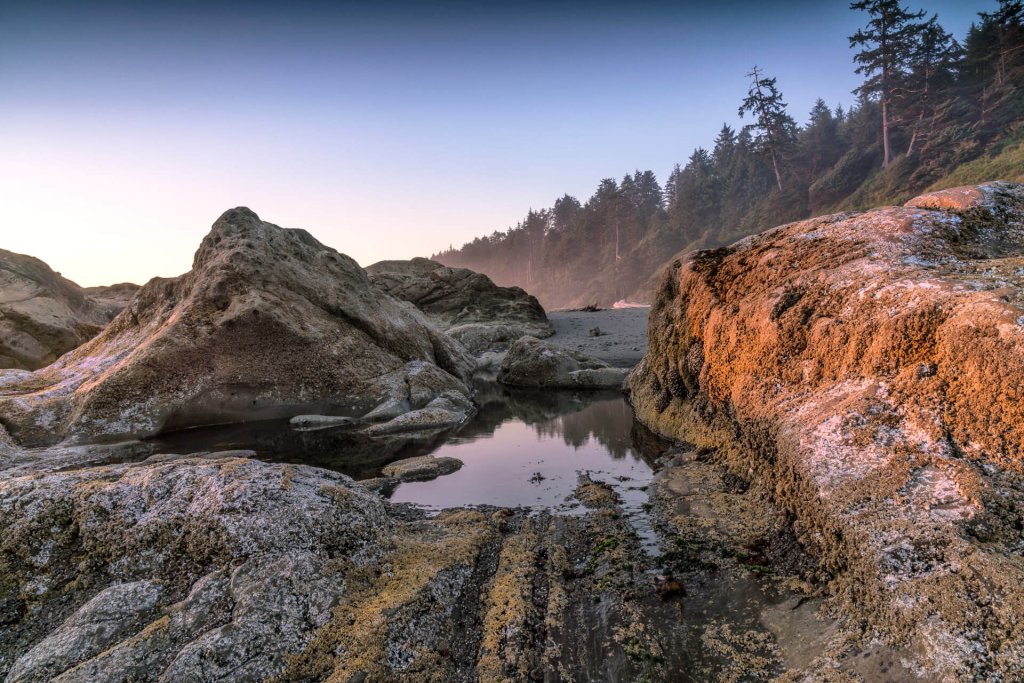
(536, 460)
(522, 449)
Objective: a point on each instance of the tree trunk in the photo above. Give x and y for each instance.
(778, 176)
(886, 153)
(913, 137)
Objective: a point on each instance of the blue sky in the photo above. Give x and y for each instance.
(387, 129)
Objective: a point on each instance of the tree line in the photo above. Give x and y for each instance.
(928, 105)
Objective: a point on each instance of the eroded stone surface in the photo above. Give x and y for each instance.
(422, 468)
(193, 569)
(43, 315)
(268, 323)
(531, 362)
(467, 304)
(867, 368)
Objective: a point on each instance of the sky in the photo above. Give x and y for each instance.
(386, 129)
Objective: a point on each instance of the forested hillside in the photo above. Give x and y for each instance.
(932, 112)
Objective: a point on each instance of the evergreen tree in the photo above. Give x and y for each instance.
(887, 43)
(932, 72)
(819, 143)
(774, 128)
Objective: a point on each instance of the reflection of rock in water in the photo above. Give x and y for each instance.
(575, 417)
(341, 450)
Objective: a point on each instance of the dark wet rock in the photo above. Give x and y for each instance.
(466, 304)
(423, 468)
(531, 362)
(268, 323)
(866, 369)
(44, 315)
(188, 570)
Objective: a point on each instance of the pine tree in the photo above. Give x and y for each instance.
(887, 43)
(932, 68)
(774, 128)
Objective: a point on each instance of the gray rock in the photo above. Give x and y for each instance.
(383, 486)
(467, 304)
(443, 412)
(268, 322)
(196, 569)
(534, 363)
(44, 315)
(309, 422)
(423, 468)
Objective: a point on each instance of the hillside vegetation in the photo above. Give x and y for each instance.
(933, 112)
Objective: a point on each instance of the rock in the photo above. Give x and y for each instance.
(448, 410)
(268, 323)
(189, 570)
(531, 362)
(319, 421)
(422, 468)
(595, 494)
(466, 304)
(43, 315)
(382, 486)
(595, 332)
(867, 368)
(113, 298)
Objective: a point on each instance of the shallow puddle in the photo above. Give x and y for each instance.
(524, 464)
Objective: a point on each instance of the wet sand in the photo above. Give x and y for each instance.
(623, 338)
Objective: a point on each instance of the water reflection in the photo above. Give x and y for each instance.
(529, 449)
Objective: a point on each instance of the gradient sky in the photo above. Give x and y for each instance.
(387, 129)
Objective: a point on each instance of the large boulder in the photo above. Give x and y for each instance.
(44, 315)
(531, 362)
(464, 303)
(112, 298)
(201, 569)
(869, 368)
(268, 323)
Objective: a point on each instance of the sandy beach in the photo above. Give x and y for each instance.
(623, 333)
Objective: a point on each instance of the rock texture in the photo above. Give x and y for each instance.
(466, 304)
(531, 362)
(196, 569)
(268, 323)
(43, 315)
(421, 468)
(868, 368)
(112, 298)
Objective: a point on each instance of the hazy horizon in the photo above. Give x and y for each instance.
(388, 131)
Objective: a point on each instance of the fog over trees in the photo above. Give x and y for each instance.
(931, 110)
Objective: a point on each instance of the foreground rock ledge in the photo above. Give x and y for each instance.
(869, 368)
(268, 323)
(196, 569)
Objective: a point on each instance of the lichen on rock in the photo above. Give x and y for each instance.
(867, 367)
(191, 569)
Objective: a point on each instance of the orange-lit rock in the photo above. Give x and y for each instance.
(869, 367)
